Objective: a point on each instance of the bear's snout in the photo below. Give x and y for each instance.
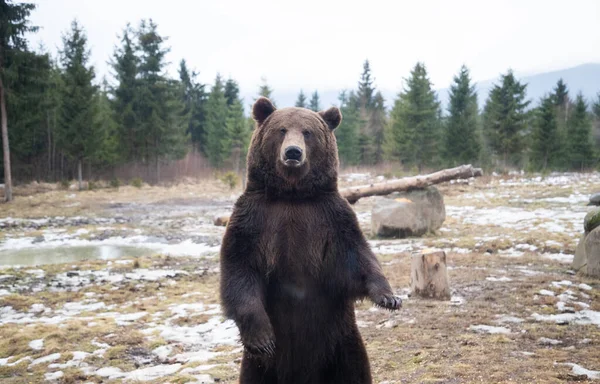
(293, 152)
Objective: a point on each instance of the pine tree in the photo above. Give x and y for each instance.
(301, 101)
(580, 136)
(232, 92)
(77, 134)
(194, 101)
(545, 136)
(366, 90)
(217, 148)
(160, 110)
(14, 24)
(376, 125)
(462, 140)
(347, 133)
(105, 128)
(237, 134)
(562, 105)
(415, 122)
(125, 65)
(506, 118)
(314, 103)
(596, 116)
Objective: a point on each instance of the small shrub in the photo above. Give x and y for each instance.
(92, 185)
(137, 182)
(115, 183)
(230, 179)
(65, 184)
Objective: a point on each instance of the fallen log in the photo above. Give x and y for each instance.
(353, 194)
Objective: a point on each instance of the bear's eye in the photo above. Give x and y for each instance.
(283, 131)
(306, 133)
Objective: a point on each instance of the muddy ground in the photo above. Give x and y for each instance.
(121, 285)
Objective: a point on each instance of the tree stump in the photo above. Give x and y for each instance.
(429, 275)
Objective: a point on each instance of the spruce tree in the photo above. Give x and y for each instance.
(77, 133)
(545, 136)
(579, 140)
(415, 121)
(376, 125)
(563, 105)
(366, 90)
(14, 24)
(194, 101)
(160, 110)
(237, 134)
(232, 92)
(506, 118)
(462, 134)
(301, 101)
(125, 65)
(217, 148)
(105, 127)
(314, 103)
(347, 133)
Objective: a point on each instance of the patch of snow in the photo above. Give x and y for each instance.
(545, 292)
(547, 341)
(52, 376)
(560, 257)
(38, 273)
(580, 371)
(559, 284)
(584, 317)
(37, 344)
(489, 329)
(457, 300)
(153, 373)
(45, 359)
(503, 278)
(584, 287)
(162, 352)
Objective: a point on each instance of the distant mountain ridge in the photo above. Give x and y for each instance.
(583, 78)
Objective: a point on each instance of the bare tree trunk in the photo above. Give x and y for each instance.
(352, 194)
(79, 175)
(157, 170)
(5, 147)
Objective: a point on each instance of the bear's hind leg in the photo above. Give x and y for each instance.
(255, 371)
(351, 363)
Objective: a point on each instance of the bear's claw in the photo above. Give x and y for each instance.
(264, 347)
(390, 302)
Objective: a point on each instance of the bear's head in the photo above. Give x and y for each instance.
(293, 152)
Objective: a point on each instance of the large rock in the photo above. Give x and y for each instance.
(592, 253)
(412, 213)
(591, 220)
(595, 199)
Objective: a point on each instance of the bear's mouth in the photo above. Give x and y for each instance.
(292, 163)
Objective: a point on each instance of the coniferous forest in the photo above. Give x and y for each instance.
(60, 121)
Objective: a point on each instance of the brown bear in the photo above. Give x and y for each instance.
(293, 258)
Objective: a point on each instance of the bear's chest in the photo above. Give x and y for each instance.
(294, 242)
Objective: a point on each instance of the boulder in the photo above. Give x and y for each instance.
(595, 199)
(591, 220)
(592, 253)
(411, 213)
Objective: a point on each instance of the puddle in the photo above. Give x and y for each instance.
(69, 254)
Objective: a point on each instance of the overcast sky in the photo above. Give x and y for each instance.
(322, 44)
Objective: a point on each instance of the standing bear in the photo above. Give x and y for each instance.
(294, 260)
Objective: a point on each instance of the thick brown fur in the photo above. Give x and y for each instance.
(293, 259)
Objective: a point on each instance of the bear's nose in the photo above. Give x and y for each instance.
(293, 153)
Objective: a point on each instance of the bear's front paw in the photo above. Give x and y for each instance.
(390, 302)
(260, 344)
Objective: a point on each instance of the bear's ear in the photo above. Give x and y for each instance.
(332, 116)
(262, 109)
